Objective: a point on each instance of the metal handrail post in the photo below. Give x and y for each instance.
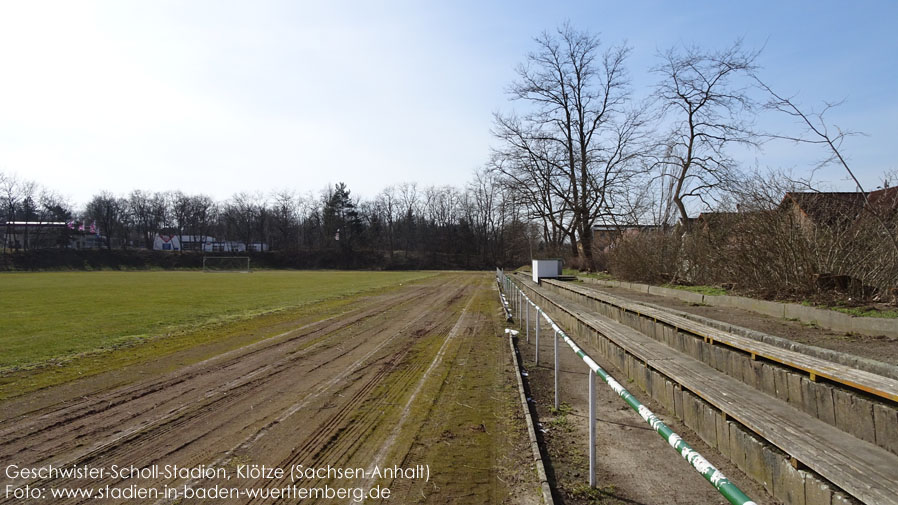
(557, 395)
(527, 318)
(727, 489)
(592, 428)
(536, 322)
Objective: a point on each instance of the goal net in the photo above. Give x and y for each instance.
(226, 264)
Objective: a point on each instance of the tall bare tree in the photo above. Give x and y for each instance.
(528, 166)
(203, 211)
(110, 215)
(410, 206)
(16, 196)
(180, 205)
(576, 95)
(707, 98)
(386, 204)
(285, 220)
(243, 219)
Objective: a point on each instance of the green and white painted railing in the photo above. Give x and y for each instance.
(522, 304)
(502, 298)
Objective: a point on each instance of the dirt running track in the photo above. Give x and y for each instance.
(416, 376)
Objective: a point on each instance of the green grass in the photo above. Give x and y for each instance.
(560, 419)
(595, 495)
(866, 311)
(605, 276)
(705, 290)
(52, 316)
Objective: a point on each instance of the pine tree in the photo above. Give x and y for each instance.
(341, 219)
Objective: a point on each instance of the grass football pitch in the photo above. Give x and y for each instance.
(52, 318)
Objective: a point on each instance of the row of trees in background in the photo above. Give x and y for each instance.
(480, 225)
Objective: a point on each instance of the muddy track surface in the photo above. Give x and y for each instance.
(338, 392)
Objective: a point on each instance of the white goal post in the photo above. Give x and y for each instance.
(226, 264)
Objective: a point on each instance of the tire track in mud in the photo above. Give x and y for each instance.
(388, 443)
(193, 419)
(345, 428)
(187, 424)
(173, 387)
(372, 306)
(362, 434)
(338, 439)
(16, 429)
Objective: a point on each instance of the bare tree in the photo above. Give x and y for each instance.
(201, 217)
(410, 205)
(109, 213)
(484, 212)
(284, 220)
(817, 131)
(702, 94)
(528, 166)
(14, 195)
(141, 216)
(311, 229)
(576, 95)
(386, 204)
(180, 205)
(242, 217)
(23, 200)
(50, 208)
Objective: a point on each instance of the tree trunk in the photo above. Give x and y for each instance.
(586, 242)
(573, 237)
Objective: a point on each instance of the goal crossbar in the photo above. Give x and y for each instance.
(213, 264)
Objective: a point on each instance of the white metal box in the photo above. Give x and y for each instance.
(546, 269)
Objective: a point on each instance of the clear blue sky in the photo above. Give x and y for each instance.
(220, 97)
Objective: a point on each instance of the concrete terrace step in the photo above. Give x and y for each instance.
(877, 385)
(866, 471)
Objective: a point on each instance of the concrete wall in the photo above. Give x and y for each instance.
(861, 363)
(751, 453)
(857, 413)
(831, 319)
